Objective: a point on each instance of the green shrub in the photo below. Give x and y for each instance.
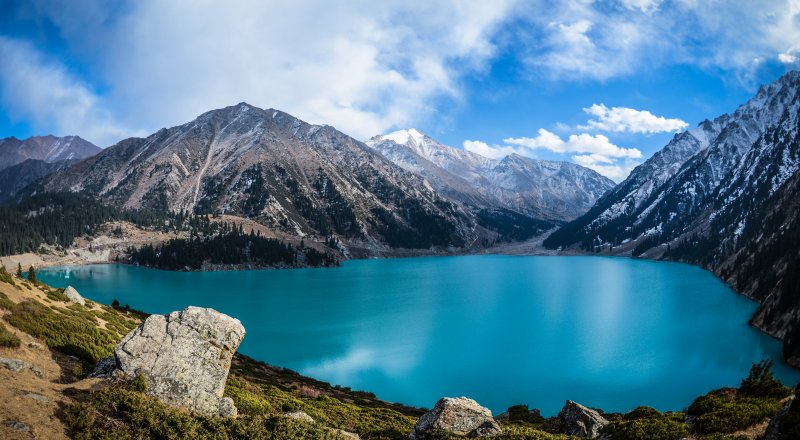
(717, 415)
(122, 412)
(71, 332)
(642, 412)
(521, 413)
(761, 383)
(56, 294)
(6, 277)
(8, 339)
(246, 398)
(646, 424)
(5, 302)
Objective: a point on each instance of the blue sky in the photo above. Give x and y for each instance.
(601, 83)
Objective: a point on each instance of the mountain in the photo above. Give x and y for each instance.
(723, 195)
(14, 178)
(556, 191)
(49, 149)
(301, 179)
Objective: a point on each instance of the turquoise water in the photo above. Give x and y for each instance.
(611, 333)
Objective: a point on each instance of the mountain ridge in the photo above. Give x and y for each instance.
(730, 199)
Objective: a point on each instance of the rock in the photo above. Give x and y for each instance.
(299, 415)
(773, 430)
(185, 357)
(460, 416)
(17, 365)
(74, 296)
(105, 367)
(346, 434)
(37, 397)
(17, 426)
(581, 421)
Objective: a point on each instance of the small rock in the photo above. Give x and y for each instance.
(346, 434)
(581, 421)
(74, 296)
(17, 426)
(17, 365)
(299, 415)
(460, 416)
(105, 367)
(185, 357)
(37, 397)
(35, 346)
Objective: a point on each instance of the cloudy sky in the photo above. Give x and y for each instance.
(601, 83)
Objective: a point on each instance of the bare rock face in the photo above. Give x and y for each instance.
(74, 296)
(581, 421)
(185, 357)
(774, 428)
(460, 416)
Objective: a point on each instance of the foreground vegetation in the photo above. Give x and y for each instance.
(264, 394)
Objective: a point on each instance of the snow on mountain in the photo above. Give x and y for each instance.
(542, 189)
(723, 195)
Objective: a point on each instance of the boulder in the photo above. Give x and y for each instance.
(185, 358)
(299, 415)
(774, 428)
(460, 416)
(581, 421)
(17, 366)
(74, 296)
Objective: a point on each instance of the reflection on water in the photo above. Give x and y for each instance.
(610, 333)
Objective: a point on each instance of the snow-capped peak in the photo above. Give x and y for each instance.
(404, 137)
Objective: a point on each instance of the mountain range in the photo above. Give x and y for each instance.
(312, 180)
(723, 195)
(49, 149)
(558, 191)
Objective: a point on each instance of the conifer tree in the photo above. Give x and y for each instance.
(19, 270)
(32, 274)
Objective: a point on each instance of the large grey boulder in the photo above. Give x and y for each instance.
(460, 416)
(74, 296)
(581, 421)
(185, 357)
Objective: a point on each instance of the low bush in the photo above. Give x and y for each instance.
(716, 414)
(72, 332)
(761, 383)
(647, 423)
(5, 302)
(8, 339)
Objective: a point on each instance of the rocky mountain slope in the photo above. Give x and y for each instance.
(314, 181)
(49, 149)
(557, 191)
(723, 195)
(16, 177)
(267, 165)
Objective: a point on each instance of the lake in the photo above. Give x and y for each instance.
(611, 333)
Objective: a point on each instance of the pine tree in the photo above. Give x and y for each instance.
(19, 270)
(32, 274)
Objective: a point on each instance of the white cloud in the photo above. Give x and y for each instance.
(646, 6)
(46, 95)
(787, 58)
(620, 119)
(486, 150)
(576, 143)
(596, 152)
(363, 67)
(606, 166)
(580, 40)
